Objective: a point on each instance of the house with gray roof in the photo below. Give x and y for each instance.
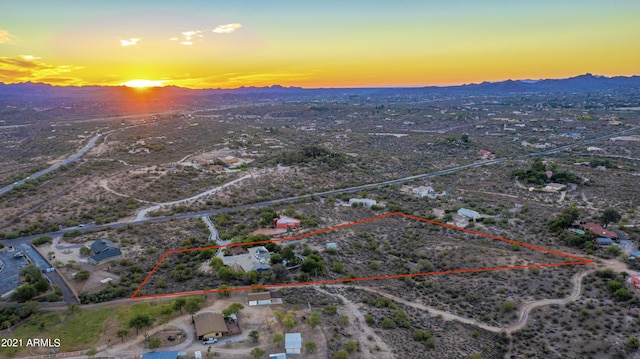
(103, 251)
(257, 258)
(468, 213)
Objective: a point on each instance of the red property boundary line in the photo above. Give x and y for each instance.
(576, 259)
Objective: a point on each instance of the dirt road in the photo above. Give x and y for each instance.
(576, 280)
(363, 333)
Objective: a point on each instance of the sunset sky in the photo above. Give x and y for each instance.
(345, 43)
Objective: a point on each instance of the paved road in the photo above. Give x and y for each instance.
(19, 241)
(66, 161)
(214, 232)
(309, 196)
(11, 269)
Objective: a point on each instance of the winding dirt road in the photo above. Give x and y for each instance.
(363, 333)
(142, 213)
(576, 280)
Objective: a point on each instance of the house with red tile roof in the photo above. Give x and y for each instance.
(286, 222)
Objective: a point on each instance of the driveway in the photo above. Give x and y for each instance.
(625, 244)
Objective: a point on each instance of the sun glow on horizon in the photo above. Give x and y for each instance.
(225, 44)
(137, 83)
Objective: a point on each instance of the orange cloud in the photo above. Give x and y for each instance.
(27, 68)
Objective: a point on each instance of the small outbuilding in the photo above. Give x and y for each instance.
(604, 241)
(293, 343)
(260, 298)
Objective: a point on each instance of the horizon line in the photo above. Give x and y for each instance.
(320, 88)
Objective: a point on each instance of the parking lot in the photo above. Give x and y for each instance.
(10, 270)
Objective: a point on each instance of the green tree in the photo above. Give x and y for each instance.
(313, 264)
(266, 218)
(83, 275)
(121, 333)
(216, 263)
(609, 215)
(179, 303)
(278, 338)
(369, 319)
(225, 273)
(251, 277)
(154, 343)
(24, 293)
(614, 251)
(352, 346)
(632, 344)
(234, 308)
(140, 321)
(330, 200)
(388, 323)
(314, 319)
(564, 219)
(288, 254)
(41, 240)
(622, 295)
(275, 258)
(70, 264)
(310, 346)
(289, 321)
(342, 354)
(224, 290)
(192, 306)
(538, 165)
(85, 251)
(254, 335)
(257, 352)
(508, 306)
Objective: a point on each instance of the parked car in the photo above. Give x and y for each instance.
(209, 340)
